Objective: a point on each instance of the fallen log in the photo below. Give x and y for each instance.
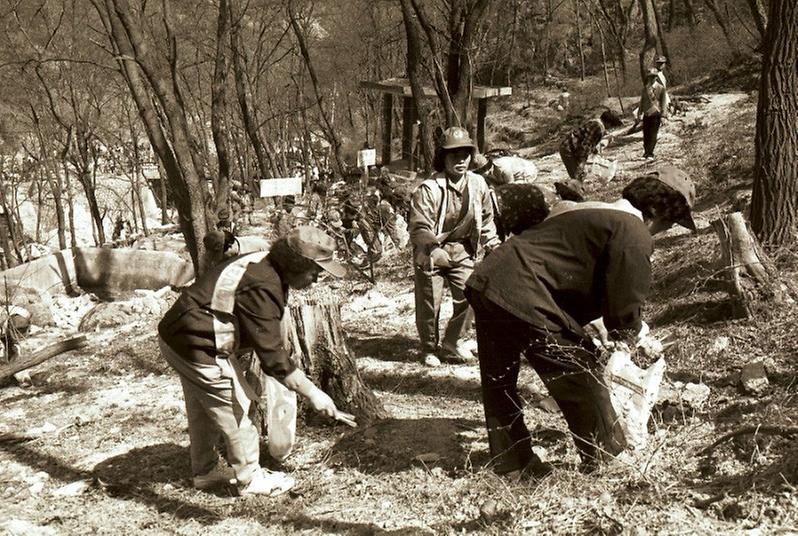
(42, 355)
(314, 333)
(750, 275)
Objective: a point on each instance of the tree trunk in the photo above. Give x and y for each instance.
(244, 92)
(692, 19)
(326, 115)
(167, 128)
(663, 45)
(414, 71)
(579, 42)
(753, 283)
(760, 17)
(219, 109)
(649, 50)
(314, 333)
(774, 203)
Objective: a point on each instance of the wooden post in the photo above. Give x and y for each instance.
(408, 120)
(387, 123)
(750, 274)
(482, 112)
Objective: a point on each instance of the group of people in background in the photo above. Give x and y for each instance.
(530, 270)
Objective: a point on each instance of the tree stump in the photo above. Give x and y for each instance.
(749, 272)
(313, 331)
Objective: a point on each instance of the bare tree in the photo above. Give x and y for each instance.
(324, 112)
(649, 49)
(774, 203)
(731, 39)
(151, 76)
(221, 181)
(760, 16)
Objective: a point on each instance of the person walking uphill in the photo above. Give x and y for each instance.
(653, 107)
(451, 217)
(235, 307)
(534, 293)
(581, 142)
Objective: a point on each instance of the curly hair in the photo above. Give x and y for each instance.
(611, 119)
(288, 261)
(653, 198)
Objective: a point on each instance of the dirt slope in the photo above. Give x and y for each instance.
(98, 444)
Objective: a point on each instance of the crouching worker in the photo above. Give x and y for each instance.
(235, 307)
(534, 293)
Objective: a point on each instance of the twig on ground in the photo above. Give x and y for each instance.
(757, 429)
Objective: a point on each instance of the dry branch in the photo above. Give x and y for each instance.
(784, 431)
(42, 355)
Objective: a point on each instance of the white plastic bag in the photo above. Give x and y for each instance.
(633, 392)
(280, 418)
(602, 168)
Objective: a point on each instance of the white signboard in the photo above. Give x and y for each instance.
(366, 157)
(279, 187)
(150, 171)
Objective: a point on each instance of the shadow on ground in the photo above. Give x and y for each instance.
(130, 476)
(396, 445)
(396, 348)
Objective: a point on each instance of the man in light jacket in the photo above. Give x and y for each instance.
(451, 218)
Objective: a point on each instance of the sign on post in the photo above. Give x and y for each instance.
(280, 187)
(366, 157)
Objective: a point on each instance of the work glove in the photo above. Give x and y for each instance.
(647, 343)
(439, 258)
(321, 402)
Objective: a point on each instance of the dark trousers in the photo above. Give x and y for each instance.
(650, 129)
(574, 164)
(566, 364)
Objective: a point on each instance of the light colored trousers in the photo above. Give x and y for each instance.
(428, 297)
(217, 404)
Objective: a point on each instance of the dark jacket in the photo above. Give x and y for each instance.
(573, 268)
(259, 302)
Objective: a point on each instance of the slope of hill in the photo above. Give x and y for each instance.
(98, 443)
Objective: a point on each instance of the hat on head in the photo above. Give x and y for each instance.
(667, 189)
(316, 245)
(652, 72)
(660, 59)
(456, 137)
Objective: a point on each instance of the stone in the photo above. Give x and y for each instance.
(754, 379)
(695, 395)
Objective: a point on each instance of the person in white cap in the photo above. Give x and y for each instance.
(653, 108)
(234, 307)
(451, 218)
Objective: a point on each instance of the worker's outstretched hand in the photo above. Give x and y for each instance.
(321, 402)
